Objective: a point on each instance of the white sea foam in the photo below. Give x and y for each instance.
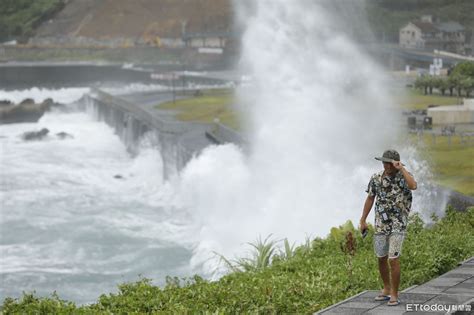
(68, 224)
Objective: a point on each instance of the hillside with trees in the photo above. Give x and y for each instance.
(19, 18)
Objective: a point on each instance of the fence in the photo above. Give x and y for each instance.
(448, 136)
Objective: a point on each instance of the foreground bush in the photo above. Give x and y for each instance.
(314, 276)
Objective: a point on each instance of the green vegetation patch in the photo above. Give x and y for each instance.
(19, 18)
(315, 275)
(415, 99)
(451, 161)
(206, 107)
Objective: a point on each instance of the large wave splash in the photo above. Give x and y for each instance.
(317, 113)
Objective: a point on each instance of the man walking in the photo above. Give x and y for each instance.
(391, 191)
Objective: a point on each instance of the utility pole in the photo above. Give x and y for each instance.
(174, 91)
(183, 78)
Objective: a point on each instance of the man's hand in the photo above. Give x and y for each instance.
(397, 164)
(411, 183)
(363, 226)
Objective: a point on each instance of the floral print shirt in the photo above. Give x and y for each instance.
(392, 203)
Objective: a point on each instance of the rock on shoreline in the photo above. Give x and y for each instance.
(35, 135)
(26, 111)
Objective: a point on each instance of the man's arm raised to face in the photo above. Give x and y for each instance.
(411, 182)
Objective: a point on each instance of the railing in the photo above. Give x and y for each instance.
(463, 138)
(221, 134)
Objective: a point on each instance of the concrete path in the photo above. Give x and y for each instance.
(192, 135)
(453, 288)
(148, 101)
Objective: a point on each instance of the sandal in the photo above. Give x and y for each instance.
(393, 303)
(382, 297)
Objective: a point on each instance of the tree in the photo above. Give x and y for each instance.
(455, 83)
(451, 85)
(465, 68)
(467, 84)
(441, 84)
(3, 30)
(422, 83)
(432, 83)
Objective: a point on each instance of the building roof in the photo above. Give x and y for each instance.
(425, 27)
(450, 27)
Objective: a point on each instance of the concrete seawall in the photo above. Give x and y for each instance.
(177, 142)
(136, 123)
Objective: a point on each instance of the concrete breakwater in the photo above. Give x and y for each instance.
(135, 123)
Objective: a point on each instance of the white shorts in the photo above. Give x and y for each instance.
(390, 245)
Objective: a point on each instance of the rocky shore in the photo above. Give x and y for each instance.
(25, 111)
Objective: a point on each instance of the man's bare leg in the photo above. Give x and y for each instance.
(385, 275)
(395, 275)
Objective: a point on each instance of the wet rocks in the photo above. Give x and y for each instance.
(35, 135)
(64, 135)
(5, 103)
(25, 111)
(43, 133)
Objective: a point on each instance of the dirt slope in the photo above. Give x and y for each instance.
(132, 18)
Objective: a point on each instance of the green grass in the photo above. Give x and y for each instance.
(451, 163)
(314, 276)
(414, 99)
(211, 105)
(218, 104)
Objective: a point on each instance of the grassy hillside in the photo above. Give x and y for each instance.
(297, 281)
(18, 18)
(387, 16)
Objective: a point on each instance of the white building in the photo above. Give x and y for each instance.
(427, 34)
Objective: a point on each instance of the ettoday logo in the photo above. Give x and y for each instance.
(416, 307)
